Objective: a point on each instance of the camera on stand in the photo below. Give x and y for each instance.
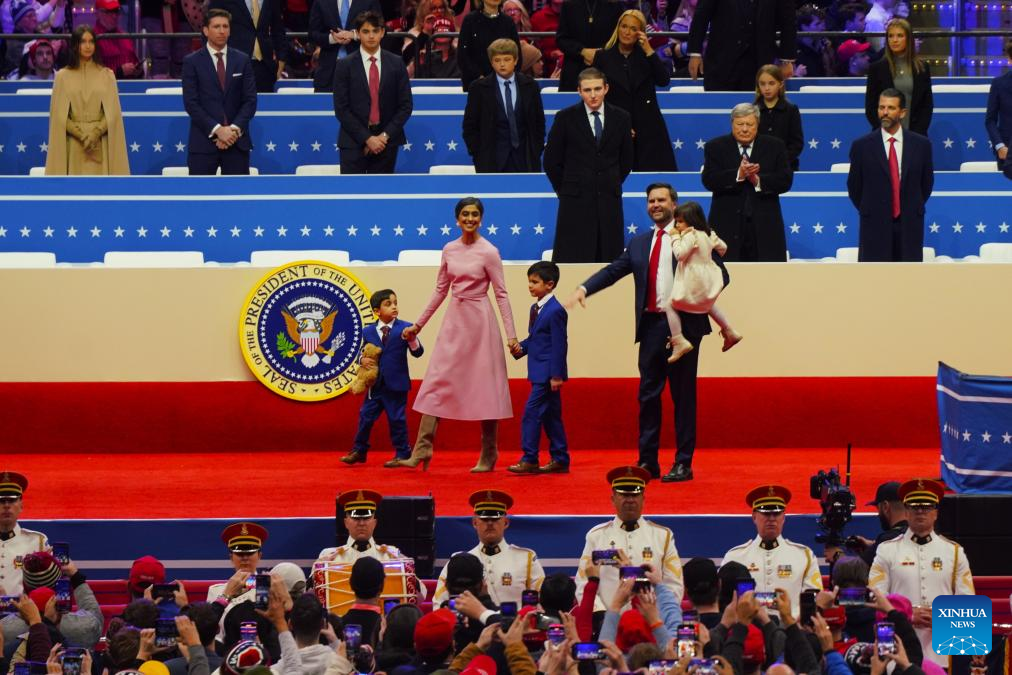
(837, 502)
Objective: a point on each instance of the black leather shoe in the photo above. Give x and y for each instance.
(678, 473)
(654, 471)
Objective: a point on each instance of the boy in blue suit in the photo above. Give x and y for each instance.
(545, 349)
(390, 393)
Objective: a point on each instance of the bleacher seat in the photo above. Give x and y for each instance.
(436, 90)
(318, 170)
(35, 92)
(849, 254)
(830, 89)
(37, 171)
(979, 167)
(547, 254)
(960, 88)
(294, 90)
(451, 169)
(165, 91)
(26, 259)
(419, 257)
(840, 167)
(185, 171)
(154, 259)
(995, 252)
(550, 90)
(278, 258)
(691, 89)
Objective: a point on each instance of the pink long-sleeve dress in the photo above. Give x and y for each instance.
(466, 377)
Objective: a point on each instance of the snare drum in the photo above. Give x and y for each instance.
(332, 582)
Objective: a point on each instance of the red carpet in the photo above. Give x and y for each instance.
(297, 483)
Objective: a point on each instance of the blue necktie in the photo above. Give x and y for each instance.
(598, 127)
(511, 117)
(342, 10)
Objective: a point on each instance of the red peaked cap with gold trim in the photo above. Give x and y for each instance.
(768, 499)
(244, 537)
(921, 492)
(12, 484)
(490, 503)
(630, 480)
(359, 503)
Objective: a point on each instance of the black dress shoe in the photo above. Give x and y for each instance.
(654, 471)
(678, 473)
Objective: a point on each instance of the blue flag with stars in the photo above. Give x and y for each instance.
(975, 416)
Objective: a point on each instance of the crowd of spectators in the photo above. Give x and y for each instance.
(667, 619)
(448, 58)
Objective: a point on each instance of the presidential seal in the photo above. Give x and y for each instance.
(301, 330)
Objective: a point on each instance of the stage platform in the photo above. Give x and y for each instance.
(113, 508)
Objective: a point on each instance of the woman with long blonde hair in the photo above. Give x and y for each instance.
(902, 69)
(634, 71)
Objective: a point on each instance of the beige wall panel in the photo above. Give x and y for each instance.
(799, 320)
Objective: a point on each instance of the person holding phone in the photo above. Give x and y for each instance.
(776, 562)
(639, 540)
(244, 541)
(921, 564)
(509, 569)
(15, 541)
(634, 71)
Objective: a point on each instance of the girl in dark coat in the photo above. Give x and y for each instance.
(778, 116)
(901, 69)
(634, 71)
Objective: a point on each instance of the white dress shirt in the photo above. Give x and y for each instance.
(899, 146)
(665, 276)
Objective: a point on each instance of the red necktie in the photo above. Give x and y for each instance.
(655, 258)
(221, 70)
(894, 176)
(374, 91)
(386, 334)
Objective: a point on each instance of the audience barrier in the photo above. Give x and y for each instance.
(374, 219)
(290, 130)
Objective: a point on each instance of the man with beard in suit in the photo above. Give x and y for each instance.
(747, 173)
(587, 158)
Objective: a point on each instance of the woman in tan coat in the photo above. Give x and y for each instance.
(86, 136)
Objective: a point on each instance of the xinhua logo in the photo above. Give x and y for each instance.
(961, 625)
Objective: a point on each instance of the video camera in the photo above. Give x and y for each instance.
(837, 502)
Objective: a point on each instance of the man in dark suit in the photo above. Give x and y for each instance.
(587, 158)
(546, 347)
(747, 173)
(331, 26)
(742, 37)
(998, 119)
(258, 30)
(584, 28)
(504, 120)
(372, 102)
(891, 177)
(651, 261)
(219, 95)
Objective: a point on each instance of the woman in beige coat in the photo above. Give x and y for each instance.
(86, 136)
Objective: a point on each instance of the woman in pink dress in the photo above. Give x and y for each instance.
(466, 377)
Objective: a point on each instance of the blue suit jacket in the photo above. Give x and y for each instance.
(393, 362)
(998, 119)
(547, 344)
(206, 103)
(635, 260)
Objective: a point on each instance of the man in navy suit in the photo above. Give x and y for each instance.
(890, 180)
(998, 120)
(651, 261)
(545, 348)
(331, 26)
(372, 102)
(219, 95)
(258, 30)
(390, 392)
